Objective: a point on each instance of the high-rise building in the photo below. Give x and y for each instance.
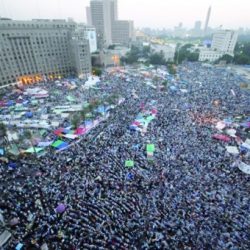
(223, 43)
(123, 32)
(88, 15)
(104, 17)
(32, 50)
(207, 20)
(87, 32)
(196, 31)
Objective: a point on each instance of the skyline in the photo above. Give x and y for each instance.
(186, 12)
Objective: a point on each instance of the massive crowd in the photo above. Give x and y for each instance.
(190, 195)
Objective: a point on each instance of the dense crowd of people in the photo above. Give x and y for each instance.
(190, 195)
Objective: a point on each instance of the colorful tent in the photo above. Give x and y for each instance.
(44, 144)
(33, 150)
(150, 148)
(80, 131)
(58, 131)
(221, 137)
(58, 144)
(129, 164)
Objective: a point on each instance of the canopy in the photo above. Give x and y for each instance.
(33, 150)
(80, 131)
(44, 144)
(129, 164)
(57, 143)
(150, 148)
(60, 208)
(221, 137)
(58, 131)
(244, 168)
(70, 98)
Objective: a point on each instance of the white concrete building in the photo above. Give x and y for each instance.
(168, 51)
(223, 43)
(209, 55)
(89, 33)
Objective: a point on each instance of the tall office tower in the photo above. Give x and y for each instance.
(196, 32)
(207, 20)
(102, 12)
(31, 50)
(225, 41)
(88, 15)
(197, 25)
(110, 30)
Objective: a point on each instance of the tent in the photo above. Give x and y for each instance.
(70, 136)
(28, 114)
(58, 131)
(232, 150)
(1, 151)
(80, 131)
(70, 98)
(129, 164)
(150, 148)
(244, 168)
(60, 144)
(33, 150)
(221, 137)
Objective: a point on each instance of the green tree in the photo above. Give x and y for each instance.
(28, 135)
(76, 120)
(157, 59)
(165, 84)
(226, 58)
(97, 71)
(171, 69)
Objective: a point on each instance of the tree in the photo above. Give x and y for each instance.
(226, 58)
(157, 59)
(76, 120)
(171, 69)
(165, 84)
(111, 47)
(28, 135)
(97, 72)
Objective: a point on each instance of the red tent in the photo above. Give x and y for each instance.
(58, 131)
(221, 137)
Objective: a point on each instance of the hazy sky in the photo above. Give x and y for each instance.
(145, 13)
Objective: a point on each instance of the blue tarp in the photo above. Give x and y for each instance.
(62, 145)
(12, 165)
(29, 115)
(1, 151)
(10, 103)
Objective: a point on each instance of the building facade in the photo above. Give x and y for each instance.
(122, 32)
(32, 51)
(109, 30)
(223, 43)
(89, 33)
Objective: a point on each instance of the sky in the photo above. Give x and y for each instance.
(145, 13)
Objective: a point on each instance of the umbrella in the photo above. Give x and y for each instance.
(60, 208)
